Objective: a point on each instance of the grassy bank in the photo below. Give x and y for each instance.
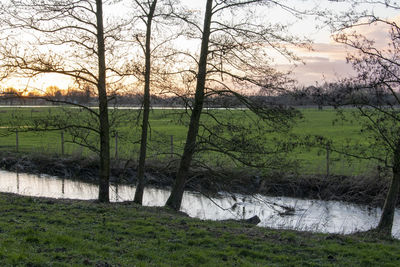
(44, 232)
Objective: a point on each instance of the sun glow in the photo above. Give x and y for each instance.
(38, 84)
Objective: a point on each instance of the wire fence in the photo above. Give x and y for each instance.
(60, 143)
(164, 148)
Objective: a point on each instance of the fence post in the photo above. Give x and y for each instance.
(16, 141)
(62, 142)
(172, 146)
(116, 145)
(327, 159)
(79, 150)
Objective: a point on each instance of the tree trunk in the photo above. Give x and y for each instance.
(104, 194)
(175, 199)
(386, 222)
(146, 108)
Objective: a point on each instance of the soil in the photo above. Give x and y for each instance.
(357, 189)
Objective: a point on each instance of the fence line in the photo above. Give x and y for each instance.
(327, 165)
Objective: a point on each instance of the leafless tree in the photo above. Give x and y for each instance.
(148, 8)
(157, 14)
(70, 38)
(236, 49)
(374, 92)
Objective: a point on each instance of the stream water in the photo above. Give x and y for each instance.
(306, 215)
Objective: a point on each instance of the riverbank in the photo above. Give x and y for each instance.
(44, 232)
(369, 190)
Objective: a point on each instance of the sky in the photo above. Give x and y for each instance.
(325, 63)
(327, 60)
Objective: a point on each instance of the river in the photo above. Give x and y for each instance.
(305, 215)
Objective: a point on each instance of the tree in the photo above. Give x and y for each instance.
(149, 9)
(53, 92)
(10, 93)
(374, 92)
(234, 54)
(157, 14)
(68, 38)
(175, 199)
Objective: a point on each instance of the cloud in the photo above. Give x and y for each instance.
(322, 71)
(327, 61)
(315, 59)
(378, 32)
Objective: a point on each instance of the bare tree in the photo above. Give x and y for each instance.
(148, 8)
(374, 92)
(157, 14)
(69, 38)
(235, 54)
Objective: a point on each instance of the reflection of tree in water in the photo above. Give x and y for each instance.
(63, 186)
(116, 193)
(17, 182)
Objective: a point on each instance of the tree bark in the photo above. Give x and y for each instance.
(146, 108)
(104, 194)
(175, 199)
(386, 222)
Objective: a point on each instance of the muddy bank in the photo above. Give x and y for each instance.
(363, 190)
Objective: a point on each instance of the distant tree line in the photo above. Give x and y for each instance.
(317, 96)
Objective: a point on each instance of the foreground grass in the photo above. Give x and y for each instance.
(43, 232)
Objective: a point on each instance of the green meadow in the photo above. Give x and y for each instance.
(168, 132)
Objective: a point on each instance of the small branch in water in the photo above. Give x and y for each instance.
(216, 204)
(287, 209)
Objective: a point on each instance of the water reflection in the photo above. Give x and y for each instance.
(310, 215)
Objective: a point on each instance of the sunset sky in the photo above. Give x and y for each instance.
(327, 61)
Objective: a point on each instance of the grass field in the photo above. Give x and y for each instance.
(171, 124)
(43, 232)
(325, 123)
